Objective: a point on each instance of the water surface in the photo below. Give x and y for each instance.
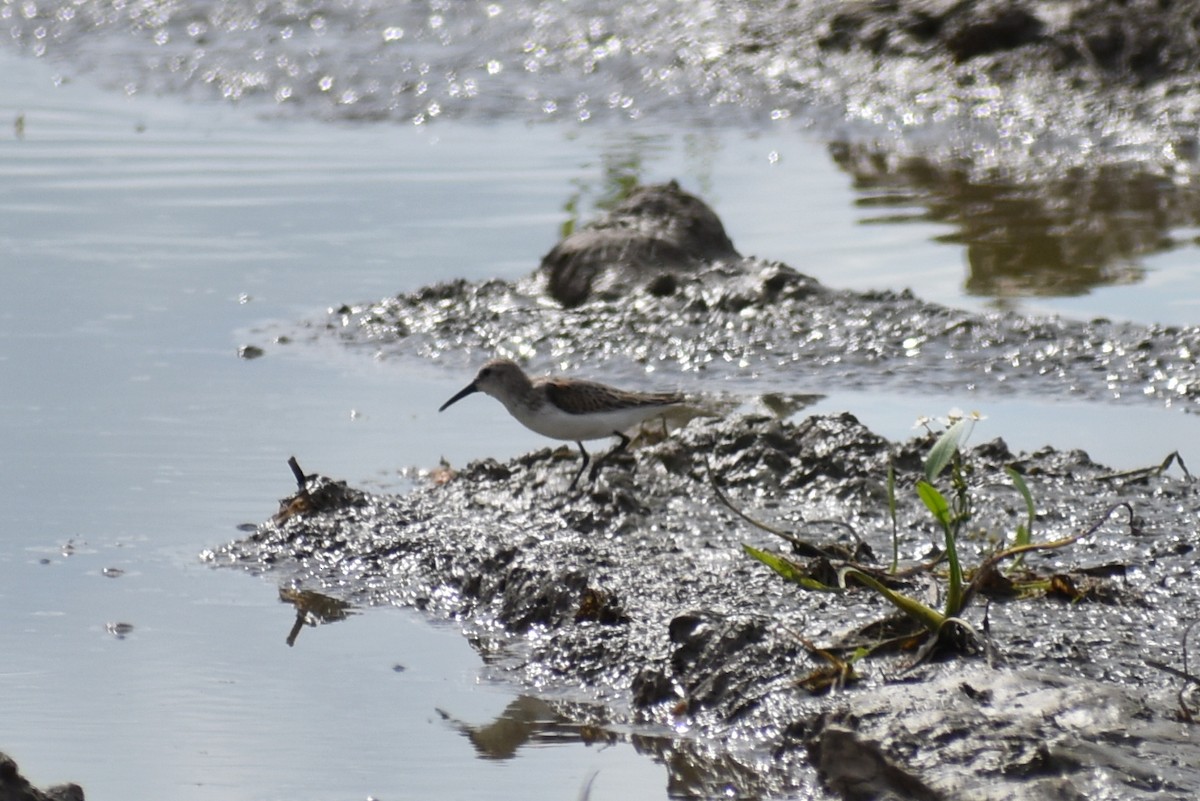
(146, 238)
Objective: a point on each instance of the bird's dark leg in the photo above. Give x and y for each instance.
(620, 446)
(582, 452)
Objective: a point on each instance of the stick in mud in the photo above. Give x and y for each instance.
(1185, 712)
(1144, 472)
(301, 479)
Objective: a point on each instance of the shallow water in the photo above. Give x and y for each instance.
(146, 238)
(139, 238)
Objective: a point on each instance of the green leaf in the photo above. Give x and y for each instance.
(891, 497)
(936, 503)
(929, 618)
(787, 568)
(1024, 531)
(943, 450)
(1019, 482)
(891, 489)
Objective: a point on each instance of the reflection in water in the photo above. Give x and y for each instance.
(785, 405)
(1059, 237)
(527, 720)
(694, 770)
(621, 168)
(624, 166)
(313, 608)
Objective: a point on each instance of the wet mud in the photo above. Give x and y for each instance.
(632, 606)
(1055, 136)
(1002, 81)
(1139, 43)
(714, 314)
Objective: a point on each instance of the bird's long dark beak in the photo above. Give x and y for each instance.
(467, 390)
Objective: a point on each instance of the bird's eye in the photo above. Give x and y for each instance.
(485, 372)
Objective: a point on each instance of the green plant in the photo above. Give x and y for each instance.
(950, 515)
(1024, 530)
(952, 511)
(891, 497)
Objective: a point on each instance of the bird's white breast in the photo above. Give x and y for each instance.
(550, 421)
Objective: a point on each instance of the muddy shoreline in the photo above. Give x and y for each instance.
(687, 643)
(1004, 83)
(703, 313)
(631, 607)
(634, 606)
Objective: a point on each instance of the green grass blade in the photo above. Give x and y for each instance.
(1019, 482)
(943, 450)
(1024, 532)
(787, 569)
(936, 503)
(891, 497)
(929, 618)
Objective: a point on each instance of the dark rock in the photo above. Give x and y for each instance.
(15, 787)
(658, 230)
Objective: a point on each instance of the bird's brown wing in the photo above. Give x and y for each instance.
(582, 397)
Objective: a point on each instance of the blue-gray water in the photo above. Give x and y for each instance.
(145, 237)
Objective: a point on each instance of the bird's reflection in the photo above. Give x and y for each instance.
(313, 609)
(526, 720)
(785, 405)
(691, 769)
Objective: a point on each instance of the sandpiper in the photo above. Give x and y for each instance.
(568, 408)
